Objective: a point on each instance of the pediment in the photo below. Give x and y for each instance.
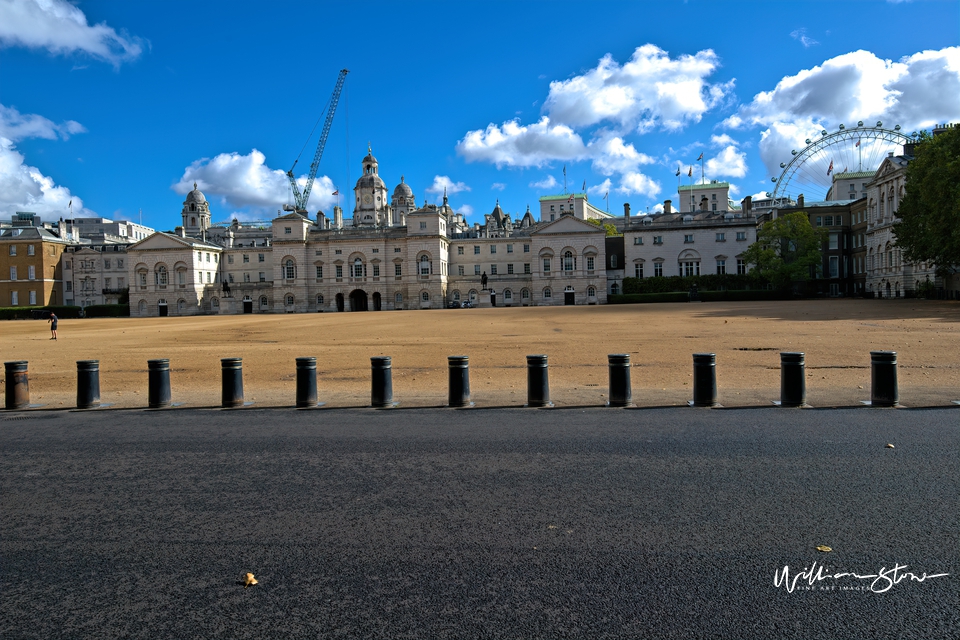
(161, 240)
(569, 224)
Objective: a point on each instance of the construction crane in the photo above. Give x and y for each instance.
(300, 199)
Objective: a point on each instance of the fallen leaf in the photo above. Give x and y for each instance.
(822, 547)
(890, 446)
(249, 580)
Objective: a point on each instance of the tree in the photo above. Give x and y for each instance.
(787, 250)
(929, 226)
(611, 230)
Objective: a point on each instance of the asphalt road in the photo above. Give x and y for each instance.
(479, 523)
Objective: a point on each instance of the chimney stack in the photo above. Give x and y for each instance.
(800, 200)
(338, 217)
(668, 206)
(626, 212)
(747, 205)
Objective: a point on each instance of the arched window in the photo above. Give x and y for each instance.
(613, 261)
(524, 295)
(398, 298)
(507, 294)
(424, 266)
(568, 261)
(456, 296)
(290, 270)
(162, 276)
(425, 296)
(319, 299)
(615, 288)
(547, 293)
(591, 292)
(358, 268)
(263, 302)
(289, 300)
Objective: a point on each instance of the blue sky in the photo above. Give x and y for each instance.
(121, 106)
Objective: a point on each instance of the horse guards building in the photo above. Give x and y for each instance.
(393, 254)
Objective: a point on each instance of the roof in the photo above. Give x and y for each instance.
(853, 174)
(568, 196)
(705, 185)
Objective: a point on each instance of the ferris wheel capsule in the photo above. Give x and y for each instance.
(879, 123)
(773, 179)
(824, 132)
(842, 127)
(793, 152)
(807, 140)
(859, 123)
(896, 128)
(783, 165)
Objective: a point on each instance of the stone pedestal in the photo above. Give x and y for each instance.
(483, 299)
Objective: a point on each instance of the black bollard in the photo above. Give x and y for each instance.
(88, 384)
(381, 390)
(306, 382)
(459, 387)
(158, 383)
(232, 387)
(883, 379)
(704, 380)
(17, 385)
(538, 382)
(620, 393)
(793, 381)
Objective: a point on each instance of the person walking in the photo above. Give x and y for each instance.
(53, 325)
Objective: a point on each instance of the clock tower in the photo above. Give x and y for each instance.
(370, 196)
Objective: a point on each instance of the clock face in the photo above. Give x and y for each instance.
(367, 198)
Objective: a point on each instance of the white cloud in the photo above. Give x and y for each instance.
(600, 189)
(801, 35)
(516, 145)
(722, 140)
(637, 183)
(730, 162)
(444, 183)
(498, 186)
(547, 183)
(465, 209)
(651, 89)
(614, 156)
(246, 182)
(16, 126)
(61, 28)
(25, 188)
(917, 91)
(657, 208)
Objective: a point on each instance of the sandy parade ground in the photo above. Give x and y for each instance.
(836, 335)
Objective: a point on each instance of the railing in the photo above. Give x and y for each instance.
(114, 291)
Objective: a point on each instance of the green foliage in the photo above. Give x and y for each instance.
(787, 251)
(107, 311)
(36, 313)
(926, 289)
(611, 229)
(710, 282)
(929, 226)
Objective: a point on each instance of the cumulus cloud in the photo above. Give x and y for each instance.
(61, 28)
(245, 182)
(443, 184)
(498, 186)
(616, 156)
(24, 187)
(465, 209)
(729, 162)
(651, 89)
(514, 145)
(917, 91)
(600, 189)
(801, 35)
(547, 183)
(637, 183)
(16, 126)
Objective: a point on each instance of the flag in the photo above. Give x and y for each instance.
(605, 194)
(830, 170)
(700, 158)
(336, 193)
(858, 144)
(70, 204)
(690, 172)
(678, 172)
(570, 199)
(584, 187)
(564, 171)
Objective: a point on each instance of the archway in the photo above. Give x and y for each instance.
(569, 296)
(376, 301)
(247, 304)
(339, 302)
(162, 308)
(358, 300)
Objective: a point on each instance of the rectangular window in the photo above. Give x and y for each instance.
(14, 298)
(33, 298)
(476, 250)
(395, 250)
(107, 282)
(638, 270)
(721, 267)
(319, 271)
(119, 263)
(688, 238)
(337, 252)
(376, 250)
(459, 269)
(493, 248)
(13, 273)
(376, 271)
(526, 267)
(838, 220)
(397, 270)
(819, 221)
(246, 258)
(658, 269)
(30, 250)
(509, 248)
(423, 225)
(689, 268)
(834, 267)
(339, 270)
(828, 221)
(721, 237)
(476, 269)
(260, 256)
(246, 277)
(229, 277)
(230, 259)
(741, 267)
(526, 248)
(493, 269)
(208, 277)
(510, 269)
(106, 263)
(263, 276)
(67, 264)
(546, 265)
(590, 263)
(68, 285)
(657, 239)
(638, 240)
(459, 251)
(741, 235)
(834, 241)
(288, 230)
(13, 249)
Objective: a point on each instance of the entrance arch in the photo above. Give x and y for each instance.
(376, 301)
(569, 295)
(162, 307)
(358, 300)
(247, 304)
(339, 302)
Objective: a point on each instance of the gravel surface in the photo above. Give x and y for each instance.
(478, 523)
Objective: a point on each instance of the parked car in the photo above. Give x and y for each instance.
(453, 304)
(466, 304)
